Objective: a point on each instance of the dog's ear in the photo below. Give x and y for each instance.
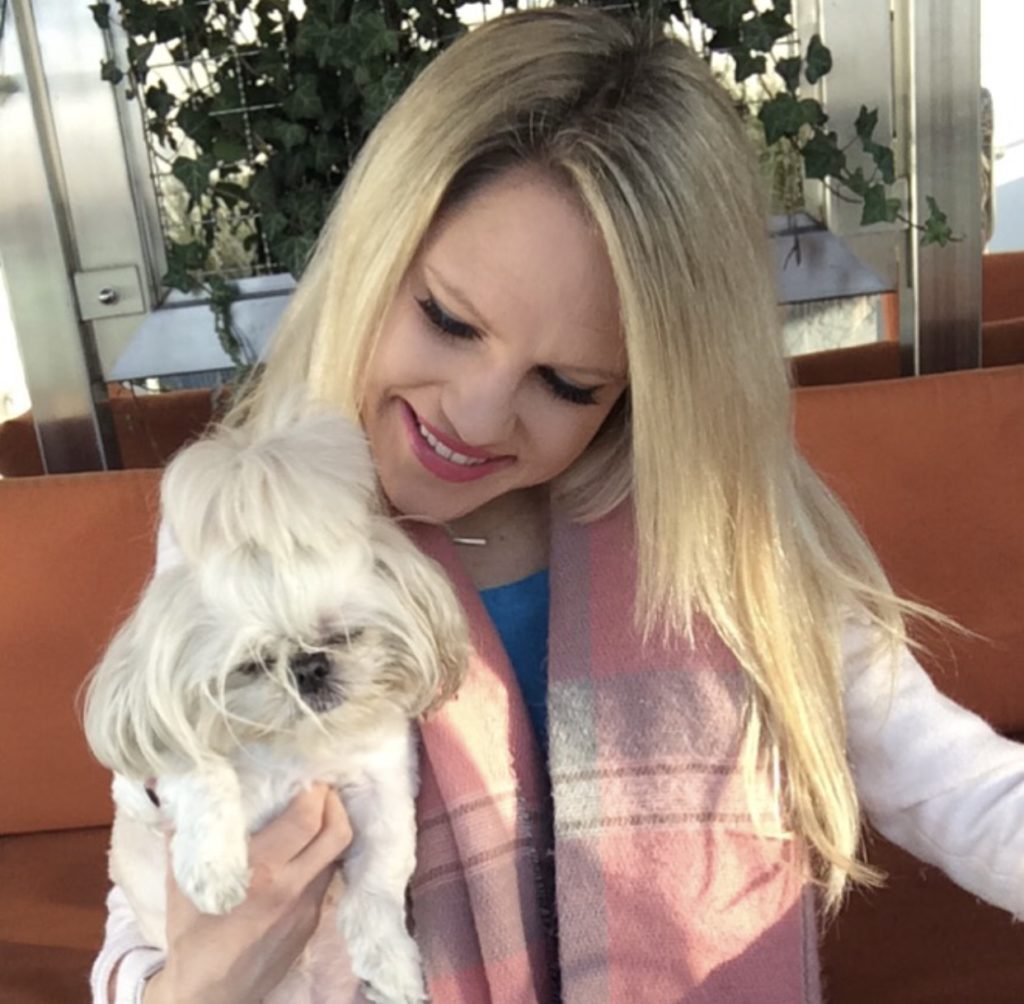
(305, 484)
(441, 642)
(135, 715)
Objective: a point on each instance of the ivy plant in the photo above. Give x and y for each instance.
(273, 100)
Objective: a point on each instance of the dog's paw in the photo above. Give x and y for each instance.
(212, 874)
(383, 955)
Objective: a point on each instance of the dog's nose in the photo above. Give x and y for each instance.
(310, 671)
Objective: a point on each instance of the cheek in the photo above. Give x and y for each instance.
(561, 432)
(405, 356)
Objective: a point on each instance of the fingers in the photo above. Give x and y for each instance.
(300, 826)
(334, 837)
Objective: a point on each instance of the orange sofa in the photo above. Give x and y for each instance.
(932, 468)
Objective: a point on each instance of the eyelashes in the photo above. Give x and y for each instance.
(445, 322)
(448, 325)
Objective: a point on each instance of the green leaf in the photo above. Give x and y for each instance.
(746, 65)
(229, 148)
(101, 15)
(275, 226)
(883, 158)
(325, 43)
(110, 72)
(756, 35)
(822, 156)
(789, 70)
(781, 116)
(304, 101)
(866, 122)
(183, 261)
(291, 134)
(195, 121)
(264, 191)
(194, 174)
(721, 13)
(819, 60)
(777, 22)
(159, 100)
(327, 153)
(305, 209)
(293, 252)
(812, 111)
(230, 193)
(856, 182)
(936, 227)
(724, 40)
(877, 207)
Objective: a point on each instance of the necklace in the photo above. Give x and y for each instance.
(468, 541)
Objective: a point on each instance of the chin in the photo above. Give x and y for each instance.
(295, 638)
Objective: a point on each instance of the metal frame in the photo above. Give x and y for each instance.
(38, 257)
(945, 97)
(922, 59)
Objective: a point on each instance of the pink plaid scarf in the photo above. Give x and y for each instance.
(663, 891)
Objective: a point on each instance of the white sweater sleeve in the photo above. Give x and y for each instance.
(168, 552)
(123, 943)
(933, 777)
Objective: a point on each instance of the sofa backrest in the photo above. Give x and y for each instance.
(75, 551)
(933, 470)
(932, 467)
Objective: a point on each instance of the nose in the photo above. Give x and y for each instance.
(310, 671)
(481, 407)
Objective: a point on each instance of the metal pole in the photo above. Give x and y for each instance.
(945, 83)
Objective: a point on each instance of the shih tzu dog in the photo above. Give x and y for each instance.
(293, 639)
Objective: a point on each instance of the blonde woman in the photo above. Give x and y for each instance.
(545, 292)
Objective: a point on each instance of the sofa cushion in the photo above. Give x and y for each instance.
(74, 553)
(51, 914)
(933, 470)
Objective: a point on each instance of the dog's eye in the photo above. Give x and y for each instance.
(252, 668)
(341, 638)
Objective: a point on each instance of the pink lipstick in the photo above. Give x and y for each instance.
(444, 457)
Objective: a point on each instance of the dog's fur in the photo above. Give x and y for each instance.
(293, 639)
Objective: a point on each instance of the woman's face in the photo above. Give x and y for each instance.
(501, 355)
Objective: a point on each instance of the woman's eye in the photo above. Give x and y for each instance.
(564, 390)
(445, 322)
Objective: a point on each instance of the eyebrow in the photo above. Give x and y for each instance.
(452, 292)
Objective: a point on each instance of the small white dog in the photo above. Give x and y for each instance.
(294, 639)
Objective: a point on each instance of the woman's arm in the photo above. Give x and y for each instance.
(125, 960)
(238, 957)
(933, 777)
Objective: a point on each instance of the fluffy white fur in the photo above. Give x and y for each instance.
(294, 640)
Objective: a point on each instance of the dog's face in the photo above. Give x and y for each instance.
(360, 654)
(276, 636)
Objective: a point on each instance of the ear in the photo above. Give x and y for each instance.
(443, 647)
(134, 715)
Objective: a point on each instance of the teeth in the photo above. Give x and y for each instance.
(442, 451)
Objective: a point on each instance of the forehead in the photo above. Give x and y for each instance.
(533, 267)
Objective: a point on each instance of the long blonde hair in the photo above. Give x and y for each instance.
(732, 523)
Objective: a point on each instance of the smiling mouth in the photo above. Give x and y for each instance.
(443, 451)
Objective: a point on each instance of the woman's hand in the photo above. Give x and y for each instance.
(242, 955)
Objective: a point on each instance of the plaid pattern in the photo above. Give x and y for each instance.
(664, 892)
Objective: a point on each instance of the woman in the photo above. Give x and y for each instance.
(527, 294)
